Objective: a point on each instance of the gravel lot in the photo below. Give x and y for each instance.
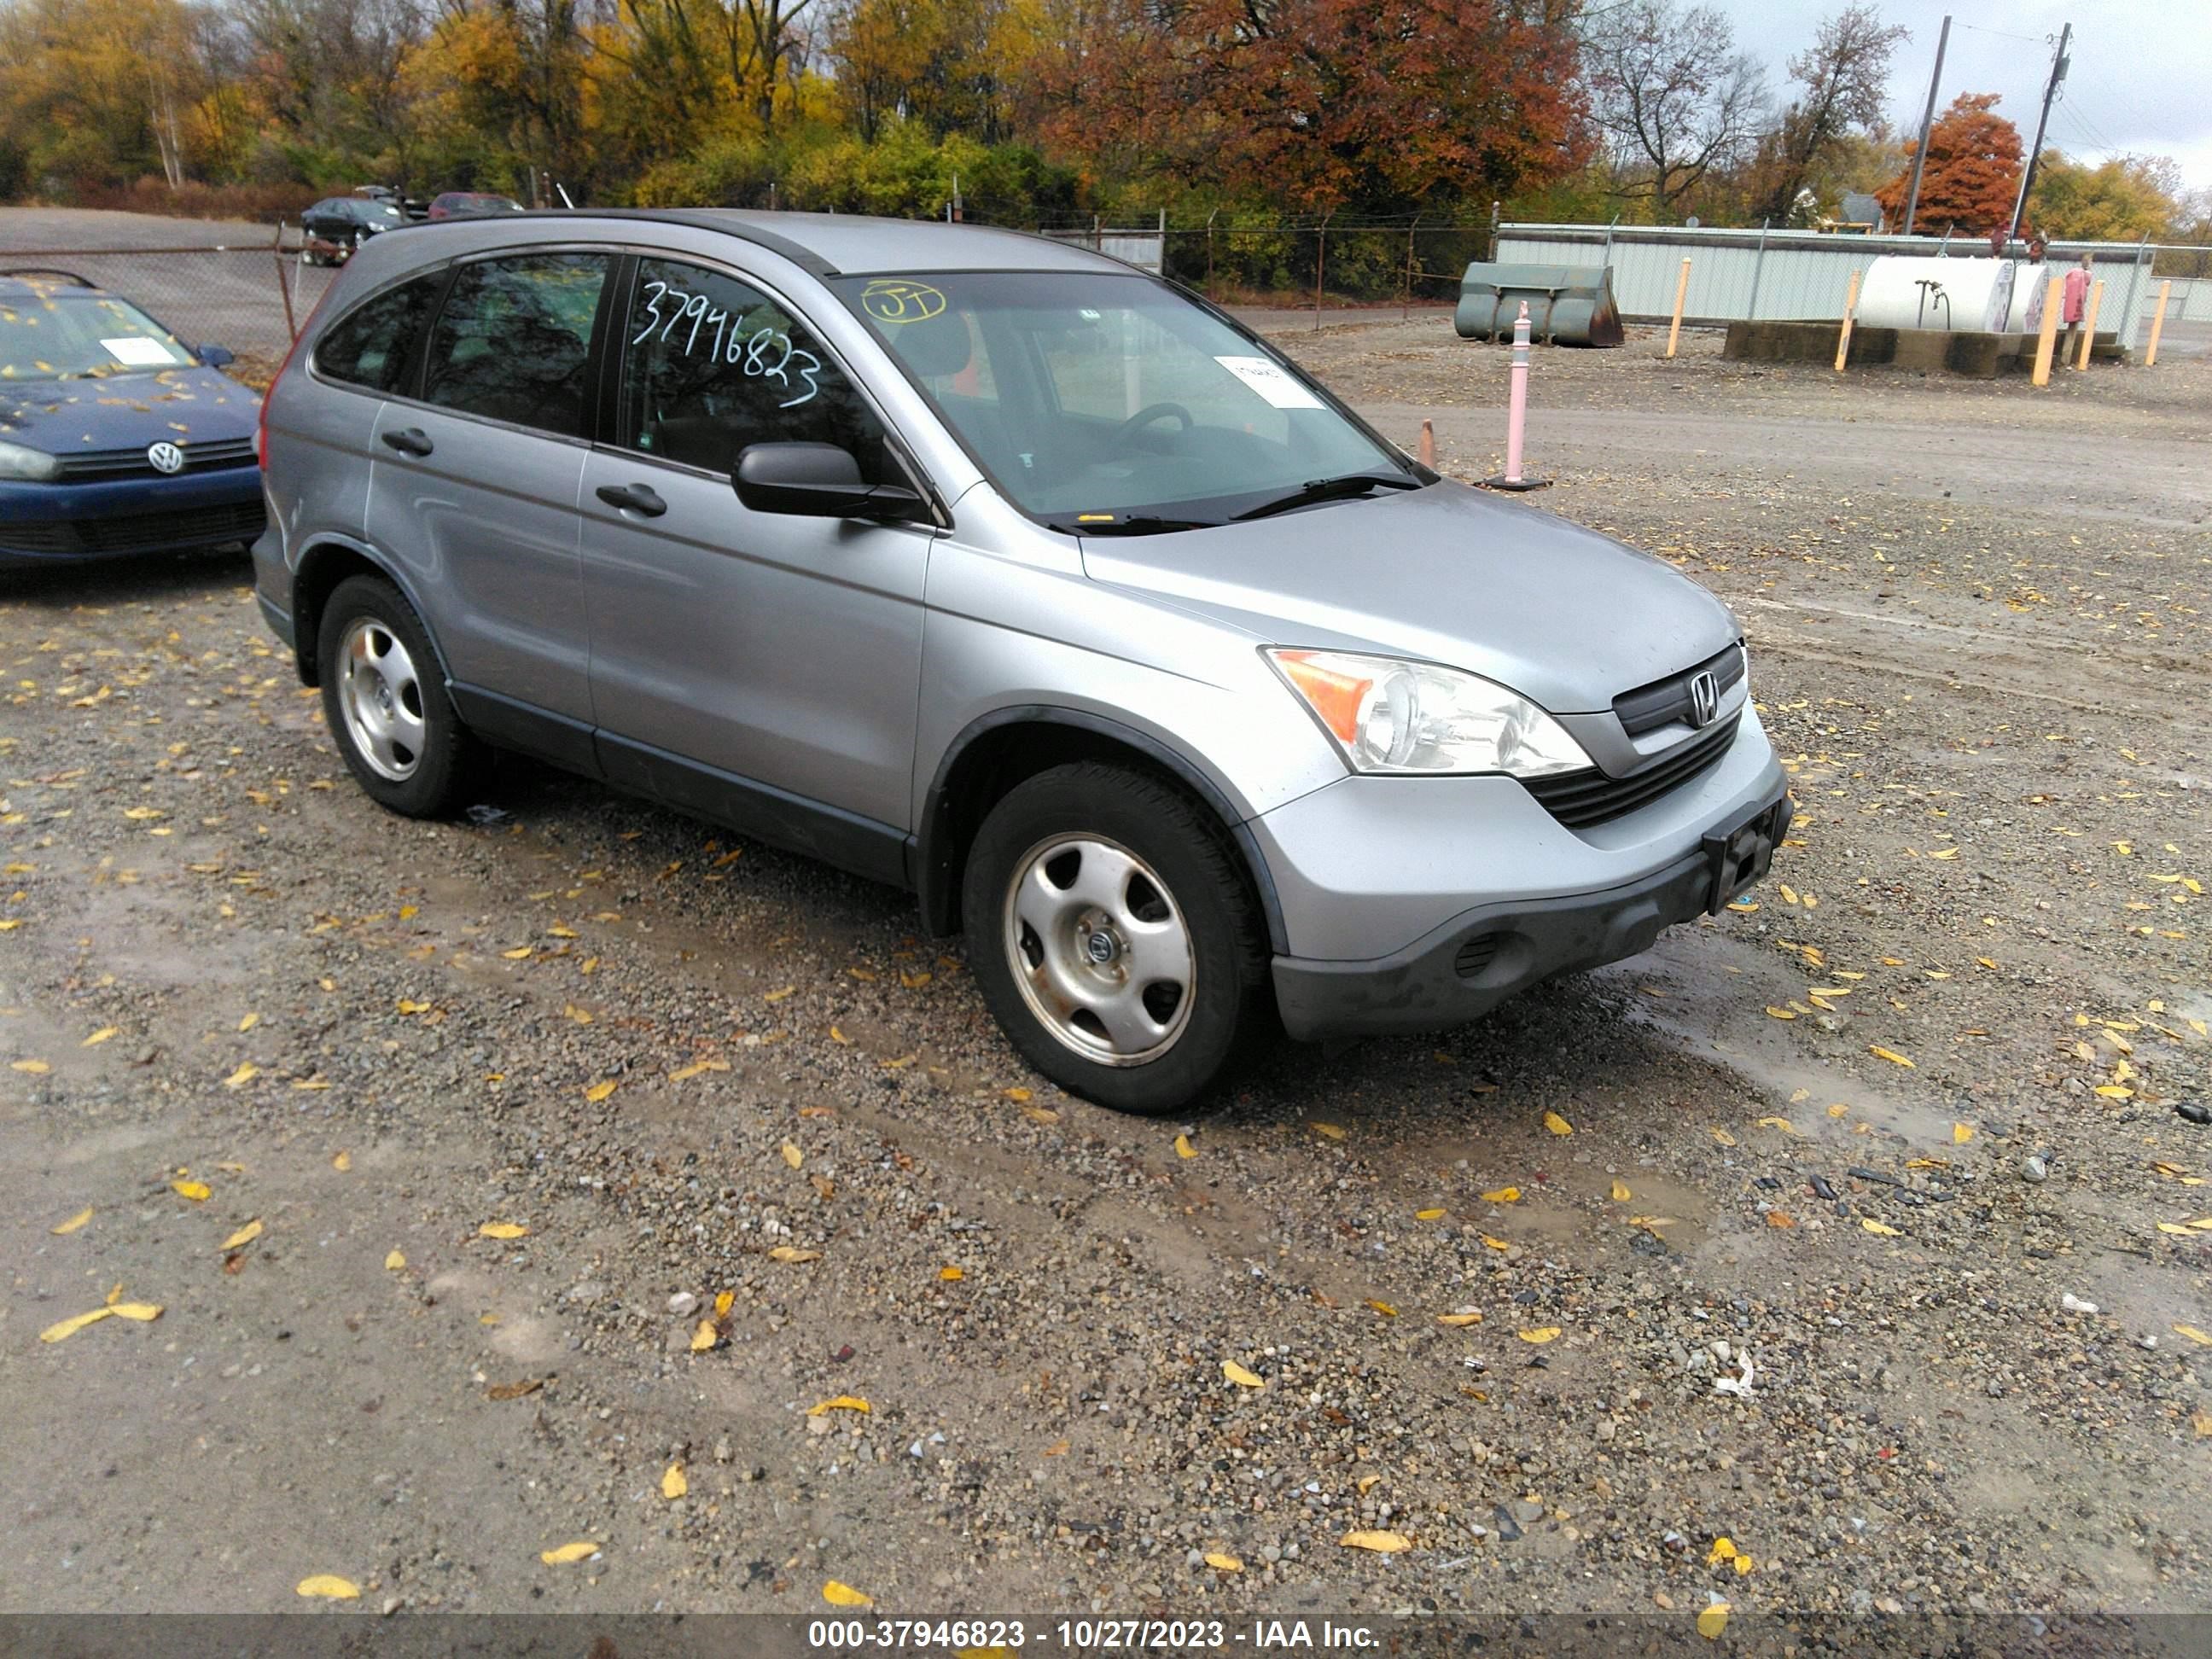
(1852, 1146)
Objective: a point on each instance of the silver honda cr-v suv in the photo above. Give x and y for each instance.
(1004, 572)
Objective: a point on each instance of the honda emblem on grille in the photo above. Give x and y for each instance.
(1704, 697)
(166, 456)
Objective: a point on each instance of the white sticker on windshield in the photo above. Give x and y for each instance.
(139, 351)
(1269, 381)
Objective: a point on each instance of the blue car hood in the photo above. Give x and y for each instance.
(1560, 614)
(126, 410)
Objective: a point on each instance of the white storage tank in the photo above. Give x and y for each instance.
(1960, 295)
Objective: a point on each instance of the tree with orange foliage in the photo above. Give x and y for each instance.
(1972, 173)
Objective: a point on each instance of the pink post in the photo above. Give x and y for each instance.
(1516, 415)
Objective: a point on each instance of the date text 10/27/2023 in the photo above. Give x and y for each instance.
(1088, 1634)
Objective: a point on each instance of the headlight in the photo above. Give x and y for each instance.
(1390, 715)
(22, 461)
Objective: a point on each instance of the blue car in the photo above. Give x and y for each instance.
(115, 437)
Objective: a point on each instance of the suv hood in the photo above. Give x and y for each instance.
(119, 411)
(1451, 574)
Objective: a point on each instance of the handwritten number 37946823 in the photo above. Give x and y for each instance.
(766, 353)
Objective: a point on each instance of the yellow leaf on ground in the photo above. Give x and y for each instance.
(673, 1486)
(518, 954)
(502, 1229)
(100, 1037)
(792, 1156)
(245, 1235)
(246, 1071)
(1780, 1218)
(1221, 1563)
(951, 1275)
(1329, 1129)
(1781, 1123)
(1961, 1133)
(705, 1337)
(793, 1253)
(582, 1550)
(844, 1596)
(69, 1327)
(1774, 1012)
(599, 1090)
(342, 1162)
(843, 1402)
(779, 993)
(1383, 1308)
(1723, 1549)
(1558, 1125)
(1713, 1620)
(195, 1190)
(1183, 1148)
(1540, 1335)
(248, 1022)
(327, 1587)
(1428, 1215)
(2175, 1227)
(1243, 1378)
(1723, 1137)
(1466, 1317)
(145, 1313)
(581, 1016)
(1889, 1055)
(1383, 1543)
(1496, 1243)
(1879, 1229)
(2195, 1336)
(395, 1262)
(71, 1224)
(1620, 1193)
(1503, 1195)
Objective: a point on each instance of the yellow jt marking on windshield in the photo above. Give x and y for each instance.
(1094, 518)
(896, 300)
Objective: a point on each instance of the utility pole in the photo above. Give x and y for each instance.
(1927, 121)
(2058, 63)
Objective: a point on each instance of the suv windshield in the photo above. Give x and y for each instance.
(54, 334)
(1105, 403)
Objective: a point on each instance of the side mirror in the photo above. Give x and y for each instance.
(817, 481)
(215, 357)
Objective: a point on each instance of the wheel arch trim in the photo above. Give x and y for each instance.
(308, 639)
(934, 861)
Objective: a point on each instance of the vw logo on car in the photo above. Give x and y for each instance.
(165, 457)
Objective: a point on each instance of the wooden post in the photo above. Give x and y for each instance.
(1428, 453)
(2158, 322)
(292, 327)
(1681, 291)
(1320, 262)
(1850, 310)
(2089, 323)
(2046, 337)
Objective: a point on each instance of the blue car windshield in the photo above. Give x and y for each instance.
(53, 333)
(1095, 397)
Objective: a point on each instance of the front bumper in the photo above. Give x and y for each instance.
(1412, 905)
(49, 524)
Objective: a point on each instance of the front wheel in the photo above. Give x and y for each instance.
(1114, 937)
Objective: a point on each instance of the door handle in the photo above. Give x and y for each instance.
(633, 498)
(409, 441)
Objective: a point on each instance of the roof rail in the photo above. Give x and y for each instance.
(48, 270)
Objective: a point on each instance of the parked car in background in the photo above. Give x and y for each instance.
(115, 436)
(337, 226)
(1005, 571)
(471, 204)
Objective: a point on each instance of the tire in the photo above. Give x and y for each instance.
(385, 703)
(1114, 937)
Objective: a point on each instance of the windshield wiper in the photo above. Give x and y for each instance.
(1330, 489)
(1141, 524)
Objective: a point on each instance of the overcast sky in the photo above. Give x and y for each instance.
(2141, 82)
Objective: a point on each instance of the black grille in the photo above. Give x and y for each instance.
(207, 457)
(1578, 799)
(1475, 955)
(1648, 708)
(137, 531)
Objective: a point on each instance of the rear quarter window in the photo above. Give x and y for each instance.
(369, 346)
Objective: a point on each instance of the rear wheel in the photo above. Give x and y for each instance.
(1114, 936)
(386, 702)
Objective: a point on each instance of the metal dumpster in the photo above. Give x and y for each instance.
(1568, 304)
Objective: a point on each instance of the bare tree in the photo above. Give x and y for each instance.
(1673, 97)
(1845, 75)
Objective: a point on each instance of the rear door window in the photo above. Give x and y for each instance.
(514, 342)
(369, 345)
(710, 365)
